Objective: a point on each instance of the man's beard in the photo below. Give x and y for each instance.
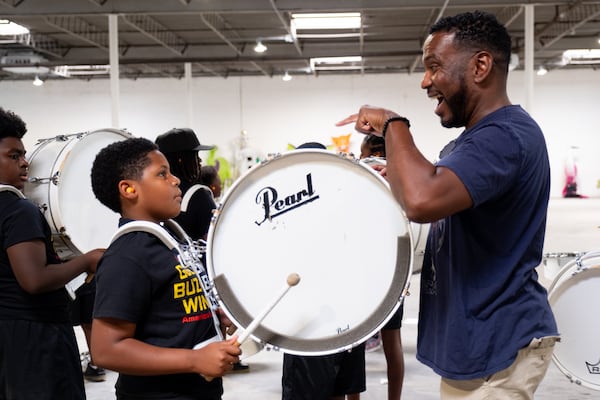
(457, 105)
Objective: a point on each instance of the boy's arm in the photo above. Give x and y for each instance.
(114, 347)
(28, 262)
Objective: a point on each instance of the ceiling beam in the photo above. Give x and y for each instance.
(122, 7)
(567, 22)
(11, 3)
(42, 43)
(286, 25)
(80, 29)
(151, 28)
(216, 23)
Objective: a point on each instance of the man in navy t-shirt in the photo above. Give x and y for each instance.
(485, 324)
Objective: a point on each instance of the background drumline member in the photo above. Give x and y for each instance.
(181, 146)
(374, 147)
(39, 358)
(209, 176)
(333, 376)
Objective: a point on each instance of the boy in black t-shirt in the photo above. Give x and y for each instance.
(39, 358)
(150, 311)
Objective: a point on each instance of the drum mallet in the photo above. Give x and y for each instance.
(292, 280)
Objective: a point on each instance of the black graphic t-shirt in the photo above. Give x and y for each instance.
(140, 280)
(21, 221)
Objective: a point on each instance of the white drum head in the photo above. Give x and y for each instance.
(574, 297)
(334, 222)
(77, 218)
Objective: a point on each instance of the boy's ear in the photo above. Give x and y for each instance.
(127, 189)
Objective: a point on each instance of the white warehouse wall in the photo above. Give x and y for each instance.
(275, 113)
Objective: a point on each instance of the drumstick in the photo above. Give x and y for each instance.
(292, 280)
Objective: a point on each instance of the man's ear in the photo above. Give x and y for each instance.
(483, 62)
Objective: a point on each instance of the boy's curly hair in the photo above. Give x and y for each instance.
(11, 125)
(118, 161)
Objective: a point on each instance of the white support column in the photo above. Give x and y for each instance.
(529, 60)
(189, 90)
(113, 45)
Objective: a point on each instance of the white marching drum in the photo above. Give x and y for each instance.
(328, 218)
(554, 262)
(419, 231)
(60, 184)
(573, 295)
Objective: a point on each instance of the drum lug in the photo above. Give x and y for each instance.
(43, 207)
(55, 179)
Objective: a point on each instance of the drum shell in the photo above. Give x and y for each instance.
(419, 231)
(60, 184)
(326, 241)
(574, 291)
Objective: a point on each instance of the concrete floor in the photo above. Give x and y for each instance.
(565, 234)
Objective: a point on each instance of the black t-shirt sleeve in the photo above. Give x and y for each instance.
(23, 223)
(196, 220)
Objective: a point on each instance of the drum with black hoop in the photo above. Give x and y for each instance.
(328, 218)
(60, 184)
(574, 293)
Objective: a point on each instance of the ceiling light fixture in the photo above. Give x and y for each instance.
(37, 81)
(349, 20)
(10, 28)
(336, 63)
(581, 56)
(286, 77)
(260, 47)
(542, 71)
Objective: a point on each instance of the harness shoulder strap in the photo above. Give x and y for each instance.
(149, 227)
(10, 188)
(190, 192)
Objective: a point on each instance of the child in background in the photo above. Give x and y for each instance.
(39, 359)
(149, 311)
(209, 176)
(373, 147)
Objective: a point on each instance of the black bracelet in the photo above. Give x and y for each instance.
(392, 119)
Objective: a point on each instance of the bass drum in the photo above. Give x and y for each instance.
(573, 293)
(60, 184)
(328, 218)
(419, 231)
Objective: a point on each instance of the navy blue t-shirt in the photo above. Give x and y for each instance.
(141, 281)
(480, 298)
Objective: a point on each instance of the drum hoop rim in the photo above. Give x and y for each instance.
(559, 280)
(54, 214)
(557, 283)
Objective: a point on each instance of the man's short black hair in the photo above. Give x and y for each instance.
(118, 161)
(11, 125)
(478, 30)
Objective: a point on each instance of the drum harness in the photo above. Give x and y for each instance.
(188, 252)
(9, 188)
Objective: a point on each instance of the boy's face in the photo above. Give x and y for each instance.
(158, 193)
(13, 165)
